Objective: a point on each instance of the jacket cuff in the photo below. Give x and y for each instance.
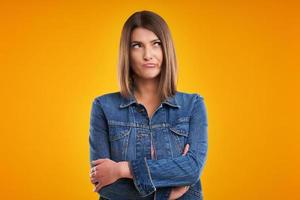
(141, 176)
(163, 193)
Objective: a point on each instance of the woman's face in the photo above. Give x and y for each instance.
(146, 54)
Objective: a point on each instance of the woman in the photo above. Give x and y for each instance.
(147, 141)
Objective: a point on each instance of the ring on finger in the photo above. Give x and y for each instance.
(93, 169)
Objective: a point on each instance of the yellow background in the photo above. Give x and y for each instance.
(56, 56)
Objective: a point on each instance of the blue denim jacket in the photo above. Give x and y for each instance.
(121, 130)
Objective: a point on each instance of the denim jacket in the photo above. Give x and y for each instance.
(121, 130)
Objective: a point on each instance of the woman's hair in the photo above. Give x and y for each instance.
(168, 75)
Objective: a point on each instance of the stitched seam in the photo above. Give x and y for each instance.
(148, 170)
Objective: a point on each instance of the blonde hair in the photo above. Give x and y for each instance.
(168, 74)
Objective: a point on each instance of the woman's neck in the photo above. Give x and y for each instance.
(146, 89)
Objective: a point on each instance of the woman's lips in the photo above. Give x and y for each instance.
(149, 65)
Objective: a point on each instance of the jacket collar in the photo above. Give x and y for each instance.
(171, 101)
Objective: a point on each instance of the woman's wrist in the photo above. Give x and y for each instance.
(124, 170)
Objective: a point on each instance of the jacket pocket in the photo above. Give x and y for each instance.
(118, 138)
(180, 132)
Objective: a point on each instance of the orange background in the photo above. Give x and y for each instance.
(56, 56)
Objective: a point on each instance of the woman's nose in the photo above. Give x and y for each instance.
(148, 54)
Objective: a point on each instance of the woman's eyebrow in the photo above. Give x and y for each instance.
(142, 42)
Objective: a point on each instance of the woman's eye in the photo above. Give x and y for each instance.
(135, 45)
(157, 43)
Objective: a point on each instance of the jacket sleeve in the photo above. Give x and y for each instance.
(179, 171)
(100, 148)
(98, 138)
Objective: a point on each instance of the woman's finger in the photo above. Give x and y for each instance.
(186, 149)
(97, 187)
(93, 174)
(93, 169)
(99, 161)
(94, 180)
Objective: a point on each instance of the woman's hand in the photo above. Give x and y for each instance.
(104, 172)
(177, 192)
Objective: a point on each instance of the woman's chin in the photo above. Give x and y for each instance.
(150, 77)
